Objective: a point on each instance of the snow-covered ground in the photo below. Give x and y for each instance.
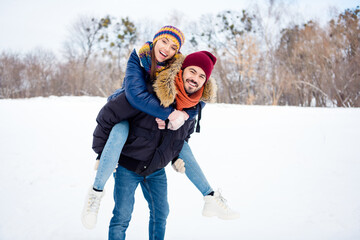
(292, 173)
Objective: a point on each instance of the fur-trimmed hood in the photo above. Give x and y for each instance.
(165, 88)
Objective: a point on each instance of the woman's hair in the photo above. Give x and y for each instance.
(153, 65)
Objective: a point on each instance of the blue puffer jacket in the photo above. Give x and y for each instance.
(139, 97)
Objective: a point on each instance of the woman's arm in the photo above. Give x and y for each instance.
(137, 93)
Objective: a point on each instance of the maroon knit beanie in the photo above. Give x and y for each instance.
(203, 59)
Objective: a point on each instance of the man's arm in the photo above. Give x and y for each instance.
(113, 112)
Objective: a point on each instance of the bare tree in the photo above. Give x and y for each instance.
(11, 69)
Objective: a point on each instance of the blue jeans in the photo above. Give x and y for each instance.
(154, 188)
(193, 170)
(111, 153)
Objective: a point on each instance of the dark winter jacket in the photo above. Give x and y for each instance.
(136, 92)
(147, 148)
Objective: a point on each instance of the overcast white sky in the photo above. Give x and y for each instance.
(27, 24)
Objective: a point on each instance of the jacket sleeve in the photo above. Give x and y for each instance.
(113, 112)
(192, 112)
(137, 93)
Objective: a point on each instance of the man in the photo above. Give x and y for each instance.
(149, 149)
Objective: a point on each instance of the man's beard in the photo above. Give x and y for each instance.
(195, 88)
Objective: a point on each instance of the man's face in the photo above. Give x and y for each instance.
(164, 49)
(194, 78)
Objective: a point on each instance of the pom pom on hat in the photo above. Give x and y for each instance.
(203, 59)
(172, 33)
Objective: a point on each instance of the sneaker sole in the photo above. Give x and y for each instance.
(221, 217)
(85, 224)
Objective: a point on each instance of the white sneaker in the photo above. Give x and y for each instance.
(91, 208)
(216, 206)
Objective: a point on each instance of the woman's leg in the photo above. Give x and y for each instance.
(108, 162)
(193, 170)
(154, 188)
(215, 203)
(111, 153)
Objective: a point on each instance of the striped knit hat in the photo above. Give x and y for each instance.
(171, 33)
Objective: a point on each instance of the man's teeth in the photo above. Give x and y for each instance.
(192, 83)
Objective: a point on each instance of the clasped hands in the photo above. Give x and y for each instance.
(176, 120)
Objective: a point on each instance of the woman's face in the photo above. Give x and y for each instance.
(164, 49)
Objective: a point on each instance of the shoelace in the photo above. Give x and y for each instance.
(222, 201)
(93, 203)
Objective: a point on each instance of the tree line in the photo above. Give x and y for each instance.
(263, 59)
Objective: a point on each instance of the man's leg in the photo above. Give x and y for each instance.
(126, 183)
(193, 170)
(154, 188)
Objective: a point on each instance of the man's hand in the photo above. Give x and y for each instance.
(177, 119)
(160, 122)
(179, 165)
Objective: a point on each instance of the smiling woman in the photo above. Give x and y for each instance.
(164, 49)
(153, 57)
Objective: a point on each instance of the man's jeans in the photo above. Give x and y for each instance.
(112, 150)
(154, 188)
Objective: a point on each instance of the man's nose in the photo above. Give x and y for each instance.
(197, 79)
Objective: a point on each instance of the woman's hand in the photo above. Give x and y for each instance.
(177, 119)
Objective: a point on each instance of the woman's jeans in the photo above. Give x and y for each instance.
(154, 188)
(111, 153)
(193, 170)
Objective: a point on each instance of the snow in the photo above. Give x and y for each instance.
(292, 173)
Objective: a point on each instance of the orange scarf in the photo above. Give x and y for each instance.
(182, 99)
